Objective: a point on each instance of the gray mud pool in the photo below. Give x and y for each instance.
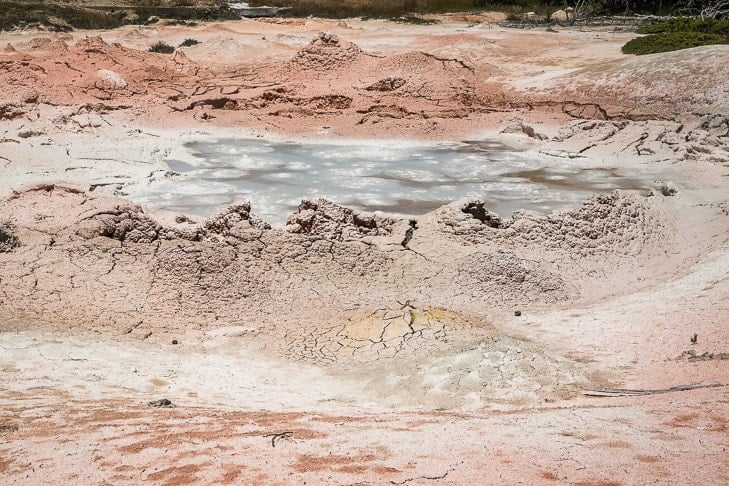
(395, 177)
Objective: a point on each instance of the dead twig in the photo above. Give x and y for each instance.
(623, 392)
(278, 436)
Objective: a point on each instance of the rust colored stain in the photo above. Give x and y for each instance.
(643, 458)
(549, 475)
(333, 462)
(231, 474)
(683, 420)
(178, 474)
(617, 444)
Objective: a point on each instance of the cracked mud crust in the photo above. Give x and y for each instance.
(345, 347)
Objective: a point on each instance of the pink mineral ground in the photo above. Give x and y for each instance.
(355, 348)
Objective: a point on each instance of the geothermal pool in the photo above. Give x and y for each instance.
(395, 177)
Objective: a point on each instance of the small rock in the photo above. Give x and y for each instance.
(669, 189)
(8, 237)
(29, 133)
(560, 16)
(522, 128)
(229, 90)
(162, 403)
(174, 341)
(517, 313)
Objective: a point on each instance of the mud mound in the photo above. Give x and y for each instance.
(423, 77)
(690, 81)
(398, 329)
(92, 215)
(44, 44)
(130, 223)
(211, 283)
(326, 219)
(498, 370)
(123, 223)
(506, 278)
(419, 63)
(619, 223)
(235, 219)
(139, 33)
(325, 54)
(97, 47)
(141, 66)
(89, 70)
(21, 80)
(226, 48)
(467, 218)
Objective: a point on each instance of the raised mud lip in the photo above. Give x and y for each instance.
(234, 263)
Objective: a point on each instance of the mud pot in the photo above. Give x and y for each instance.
(362, 252)
(386, 175)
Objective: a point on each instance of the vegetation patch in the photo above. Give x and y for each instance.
(66, 15)
(369, 8)
(56, 17)
(412, 19)
(687, 24)
(162, 48)
(189, 43)
(678, 33)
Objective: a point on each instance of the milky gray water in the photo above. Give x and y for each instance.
(402, 178)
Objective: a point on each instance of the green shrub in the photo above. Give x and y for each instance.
(671, 41)
(162, 48)
(678, 33)
(176, 22)
(686, 24)
(189, 43)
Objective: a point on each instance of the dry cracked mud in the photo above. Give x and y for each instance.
(345, 347)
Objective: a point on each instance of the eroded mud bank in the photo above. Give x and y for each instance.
(72, 255)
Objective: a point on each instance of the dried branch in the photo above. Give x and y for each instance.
(623, 392)
(278, 436)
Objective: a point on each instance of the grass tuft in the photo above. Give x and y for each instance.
(162, 48)
(189, 43)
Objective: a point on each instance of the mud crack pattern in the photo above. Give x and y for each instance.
(382, 333)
